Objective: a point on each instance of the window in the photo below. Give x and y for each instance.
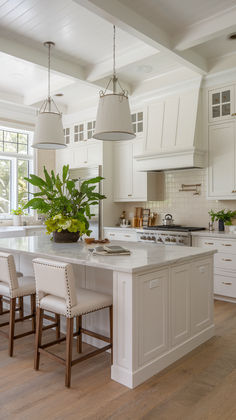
(15, 164)
(137, 122)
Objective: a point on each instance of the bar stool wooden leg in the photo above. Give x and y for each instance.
(33, 311)
(69, 338)
(12, 325)
(21, 304)
(1, 305)
(38, 337)
(111, 330)
(79, 337)
(58, 327)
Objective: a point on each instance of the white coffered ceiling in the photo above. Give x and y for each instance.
(154, 38)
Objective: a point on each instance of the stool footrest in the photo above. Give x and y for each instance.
(95, 335)
(93, 353)
(52, 356)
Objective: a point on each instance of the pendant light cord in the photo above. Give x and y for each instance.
(49, 76)
(114, 60)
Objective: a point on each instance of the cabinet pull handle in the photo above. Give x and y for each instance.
(233, 191)
(209, 243)
(226, 244)
(233, 115)
(226, 259)
(112, 234)
(129, 195)
(127, 236)
(226, 283)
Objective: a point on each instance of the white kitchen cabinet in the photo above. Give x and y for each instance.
(221, 161)
(224, 264)
(79, 155)
(122, 234)
(201, 296)
(153, 313)
(180, 304)
(221, 103)
(128, 183)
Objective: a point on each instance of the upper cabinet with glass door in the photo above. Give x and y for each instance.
(137, 122)
(84, 131)
(221, 103)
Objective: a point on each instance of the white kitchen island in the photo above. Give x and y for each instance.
(162, 296)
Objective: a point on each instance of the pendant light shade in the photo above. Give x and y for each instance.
(113, 118)
(48, 129)
(113, 122)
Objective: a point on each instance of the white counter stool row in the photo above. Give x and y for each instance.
(14, 286)
(56, 293)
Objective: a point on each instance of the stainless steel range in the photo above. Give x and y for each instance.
(167, 235)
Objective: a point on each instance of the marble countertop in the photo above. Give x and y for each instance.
(214, 234)
(17, 228)
(143, 256)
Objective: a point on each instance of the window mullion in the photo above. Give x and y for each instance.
(14, 183)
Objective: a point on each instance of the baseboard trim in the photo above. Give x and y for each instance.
(131, 380)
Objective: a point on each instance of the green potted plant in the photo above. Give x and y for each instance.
(67, 208)
(17, 216)
(224, 217)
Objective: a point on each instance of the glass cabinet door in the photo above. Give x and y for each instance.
(221, 104)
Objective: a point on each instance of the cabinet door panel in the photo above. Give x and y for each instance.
(123, 171)
(180, 304)
(221, 160)
(201, 295)
(153, 315)
(155, 115)
(95, 153)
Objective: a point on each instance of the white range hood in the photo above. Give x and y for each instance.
(174, 138)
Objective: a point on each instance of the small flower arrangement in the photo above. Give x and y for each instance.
(59, 223)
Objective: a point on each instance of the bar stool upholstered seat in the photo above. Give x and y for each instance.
(56, 292)
(12, 286)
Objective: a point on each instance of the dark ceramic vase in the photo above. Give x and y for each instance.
(221, 226)
(65, 236)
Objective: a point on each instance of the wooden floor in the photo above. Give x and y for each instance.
(202, 385)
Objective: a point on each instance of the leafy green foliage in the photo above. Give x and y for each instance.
(18, 212)
(62, 202)
(225, 215)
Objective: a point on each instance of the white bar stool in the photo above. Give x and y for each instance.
(14, 285)
(56, 293)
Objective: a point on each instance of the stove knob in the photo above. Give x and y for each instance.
(167, 239)
(149, 238)
(159, 240)
(181, 241)
(153, 238)
(144, 238)
(173, 240)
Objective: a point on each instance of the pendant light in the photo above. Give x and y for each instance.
(113, 120)
(49, 130)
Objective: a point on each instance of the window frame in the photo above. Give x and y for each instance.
(14, 157)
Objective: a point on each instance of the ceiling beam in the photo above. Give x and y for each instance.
(135, 24)
(206, 30)
(104, 69)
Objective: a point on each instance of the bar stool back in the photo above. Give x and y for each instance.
(11, 288)
(56, 293)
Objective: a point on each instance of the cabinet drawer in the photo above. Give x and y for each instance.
(120, 236)
(226, 246)
(225, 285)
(225, 261)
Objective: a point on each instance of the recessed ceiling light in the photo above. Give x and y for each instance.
(59, 94)
(144, 68)
(232, 36)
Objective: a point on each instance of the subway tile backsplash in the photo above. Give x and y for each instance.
(186, 208)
